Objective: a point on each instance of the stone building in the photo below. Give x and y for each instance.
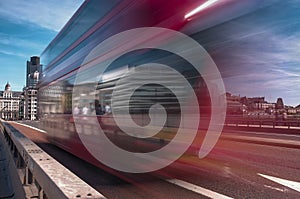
(279, 103)
(30, 104)
(9, 103)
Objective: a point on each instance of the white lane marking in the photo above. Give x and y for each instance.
(34, 128)
(197, 189)
(275, 188)
(288, 183)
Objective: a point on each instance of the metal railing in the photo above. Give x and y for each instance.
(51, 179)
(263, 123)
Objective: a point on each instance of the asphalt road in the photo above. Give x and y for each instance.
(235, 168)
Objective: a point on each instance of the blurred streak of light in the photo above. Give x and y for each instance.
(200, 8)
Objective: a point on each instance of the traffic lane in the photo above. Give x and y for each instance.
(275, 159)
(136, 186)
(33, 134)
(230, 169)
(32, 123)
(283, 135)
(249, 160)
(110, 185)
(233, 168)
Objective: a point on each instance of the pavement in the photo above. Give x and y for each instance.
(243, 164)
(10, 183)
(6, 190)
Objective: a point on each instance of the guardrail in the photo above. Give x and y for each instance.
(52, 179)
(10, 184)
(263, 123)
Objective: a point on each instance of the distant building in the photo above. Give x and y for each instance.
(255, 103)
(298, 109)
(30, 92)
(234, 105)
(34, 72)
(279, 103)
(264, 105)
(258, 107)
(22, 106)
(256, 99)
(30, 104)
(9, 103)
(291, 110)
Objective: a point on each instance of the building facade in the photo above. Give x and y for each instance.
(29, 100)
(9, 103)
(34, 72)
(30, 104)
(279, 103)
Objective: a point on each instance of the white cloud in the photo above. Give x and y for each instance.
(261, 60)
(52, 14)
(6, 52)
(12, 40)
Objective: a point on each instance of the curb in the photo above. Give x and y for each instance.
(264, 141)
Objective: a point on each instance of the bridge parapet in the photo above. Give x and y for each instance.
(51, 179)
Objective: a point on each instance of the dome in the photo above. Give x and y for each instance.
(7, 87)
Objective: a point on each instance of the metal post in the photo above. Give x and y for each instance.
(28, 178)
(260, 124)
(12, 147)
(19, 161)
(40, 193)
(15, 151)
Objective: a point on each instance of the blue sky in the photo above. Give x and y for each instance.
(263, 53)
(262, 49)
(27, 27)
